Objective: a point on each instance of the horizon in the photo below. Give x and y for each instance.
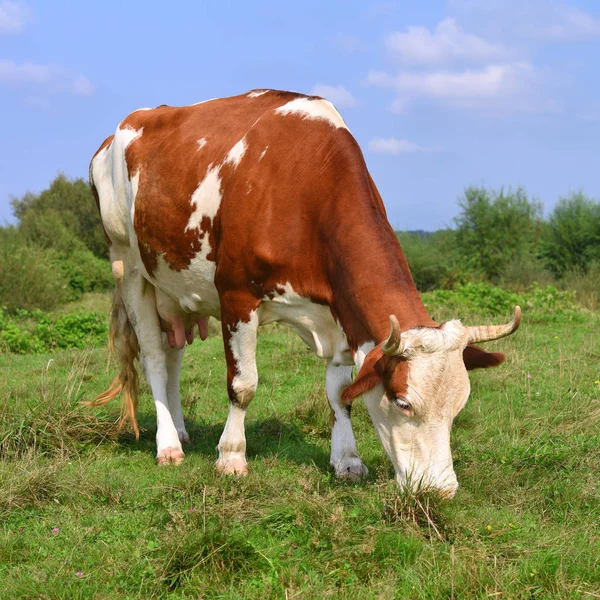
(440, 97)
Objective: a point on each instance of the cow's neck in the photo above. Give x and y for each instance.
(370, 278)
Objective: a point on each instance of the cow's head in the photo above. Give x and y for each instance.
(414, 384)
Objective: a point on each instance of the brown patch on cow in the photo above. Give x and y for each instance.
(476, 358)
(391, 371)
(307, 212)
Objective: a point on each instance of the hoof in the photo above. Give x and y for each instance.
(184, 437)
(351, 469)
(232, 466)
(170, 456)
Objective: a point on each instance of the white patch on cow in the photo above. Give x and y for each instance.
(344, 456)
(206, 199)
(243, 348)
(256, 93)
(201, 143)
(192, 290)
(126, 135)
(361, 354)
(234, 156)
(204, 101)
(437, 389)
(140, 300)
(232, 444)
(193, 287)
(314, 323)
(313, 109)
(116, 192)
(263, 153)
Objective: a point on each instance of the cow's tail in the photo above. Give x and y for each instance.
(123, 345)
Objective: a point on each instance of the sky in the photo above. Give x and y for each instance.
(440, 94)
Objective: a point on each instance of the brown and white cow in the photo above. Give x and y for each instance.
(260, 208)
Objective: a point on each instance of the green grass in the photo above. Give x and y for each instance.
(85, 513)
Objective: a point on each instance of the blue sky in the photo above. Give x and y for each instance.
(439, 94)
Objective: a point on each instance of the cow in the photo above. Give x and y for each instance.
(259, 208)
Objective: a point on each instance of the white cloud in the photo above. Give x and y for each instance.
(13, 16)
(447, 43)
(395, 146)
(336, 94)
(82, 86)
(504, 87)
(347, 43)
(53, 78)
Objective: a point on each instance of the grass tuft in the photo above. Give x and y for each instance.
(54, 424)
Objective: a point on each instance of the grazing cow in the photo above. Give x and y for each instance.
(257, 209)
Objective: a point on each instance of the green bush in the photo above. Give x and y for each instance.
(28, 275)
(539, 303)
(572, 240)
(495, 229)
(37, 331)
(431, 257)
(73, 202)
(84, 272)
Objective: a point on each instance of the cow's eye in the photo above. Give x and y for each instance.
(402, 404)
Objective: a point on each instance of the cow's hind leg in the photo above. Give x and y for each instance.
(140, 304)
(344, 454)
(240, 324)
(174, 359)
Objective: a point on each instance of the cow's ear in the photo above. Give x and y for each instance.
(476, 358)
(370, 374)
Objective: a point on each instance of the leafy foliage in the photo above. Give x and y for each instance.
(72, 201)
(495, 228)
(433, 258)
(572, 240)
(546, 303)
(37, 331)
(54, 254)
(28, 275)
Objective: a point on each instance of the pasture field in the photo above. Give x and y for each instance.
(85, 513)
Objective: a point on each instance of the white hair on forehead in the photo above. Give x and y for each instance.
(445, 338)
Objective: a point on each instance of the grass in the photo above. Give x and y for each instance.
(85, 513)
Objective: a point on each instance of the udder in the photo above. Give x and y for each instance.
(179, 329)
(178, 324)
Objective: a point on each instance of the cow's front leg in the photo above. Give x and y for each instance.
(240, 324)
(344, 455)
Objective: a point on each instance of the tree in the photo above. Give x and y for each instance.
(572, 240)
(69, 200)
(496, 228)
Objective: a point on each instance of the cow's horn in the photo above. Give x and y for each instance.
(486, 333)
(392, 345)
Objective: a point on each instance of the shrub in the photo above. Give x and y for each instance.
(496, 228)
(72, 330)
(28, 276)
(37, 331)
(539, 303)
(84, 272)
(431, 257)
(572, 240)
(73, 202)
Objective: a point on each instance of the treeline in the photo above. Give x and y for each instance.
(502, 237)
(57, 251)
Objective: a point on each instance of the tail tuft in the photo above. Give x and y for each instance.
(123, 344)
